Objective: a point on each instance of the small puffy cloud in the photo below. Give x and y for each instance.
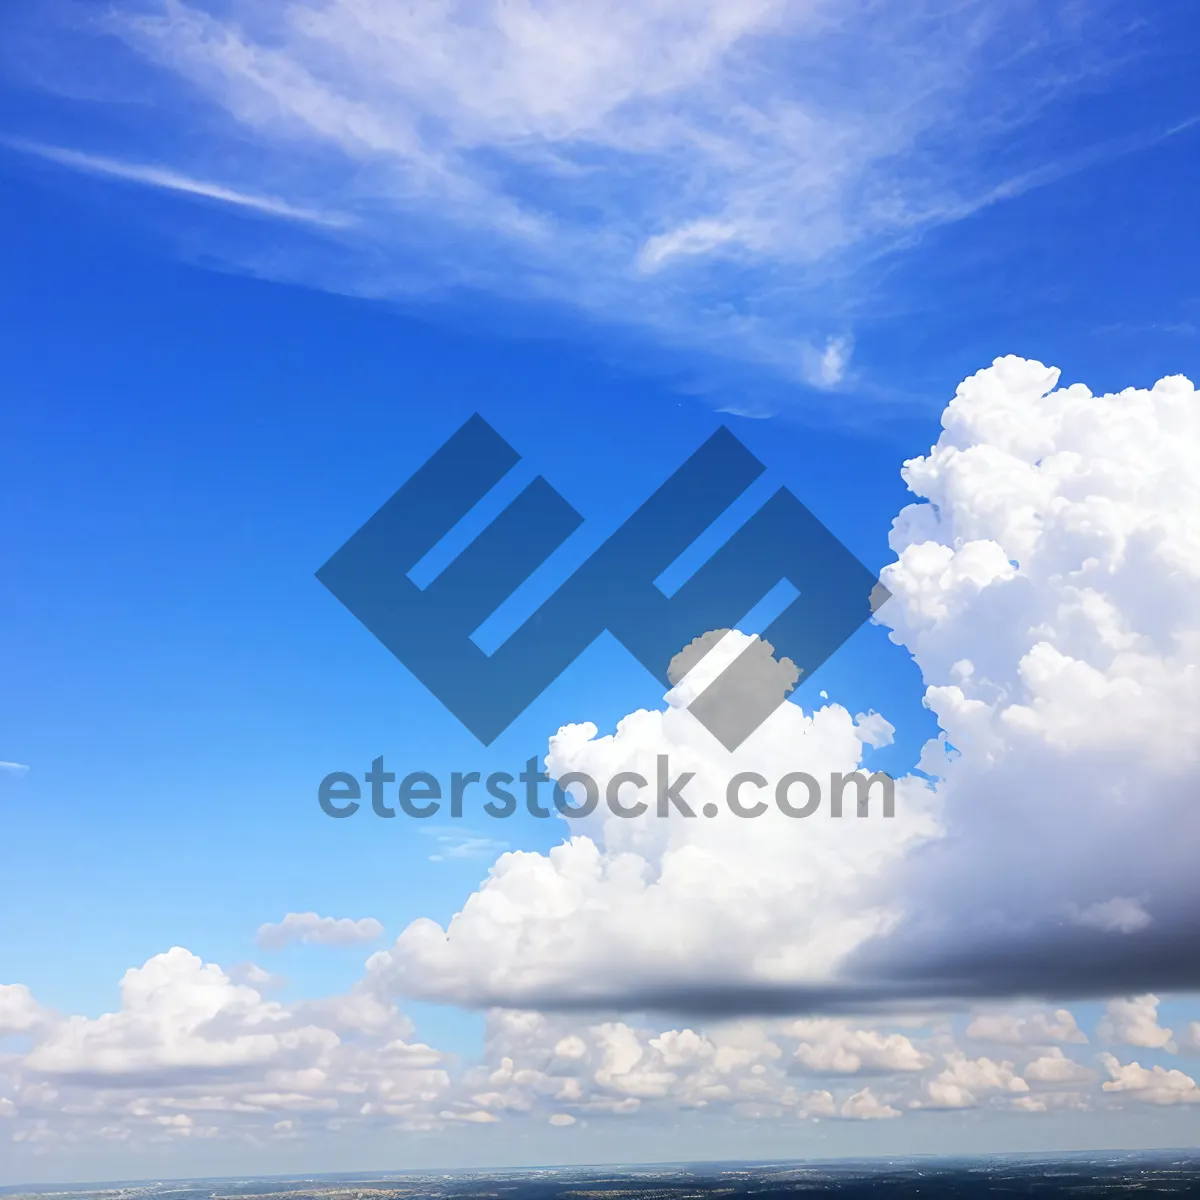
(1118, 915)
(257, 977)
(309, 928)
(965, 1079)
(1037, 1028)
(1152, 1085)
(1191, 1038)
(179, 1017)
(1134, 1021)
(615, 1067)
(13, 768)
(836, 1047)
(572, 1047)
(814, 1104)
(1054, 1067)
(875, 730)
(477, 1116)
(561, 1120)
(825, 367)
(863, 1106)
(19, 1011)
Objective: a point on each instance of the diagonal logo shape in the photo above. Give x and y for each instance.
(429, 629)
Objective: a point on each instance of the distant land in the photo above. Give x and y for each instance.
(1160, 1172)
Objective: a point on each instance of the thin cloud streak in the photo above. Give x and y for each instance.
(172, 181)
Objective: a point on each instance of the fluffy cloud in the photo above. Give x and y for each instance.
(1035, 1028)
(1153, 1085)
(863, 1106)
(964, 1080)
(839, 1048)
(680, 903)
(191, 1055)
(1055, 1067)
(1045, 587)
(1045, 584)
(179, 1017)
(1118, 915)
(746, 1068)
(19, 1011)
(318, 931)
(1134, 1021)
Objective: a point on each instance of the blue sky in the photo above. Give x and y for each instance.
(236, 420)
(255, 274)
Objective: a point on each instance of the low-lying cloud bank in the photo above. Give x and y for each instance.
(193, 1067)
(1046, 583)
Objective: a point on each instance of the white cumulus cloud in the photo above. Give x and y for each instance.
(630, 904)
(839, 1048)
(1153, 1085)
(1054, 1067)
(864, 1106)
(1134, 1021)
(1014, 1029)
(1045, 583)
(179, 1017)
(964, 1080)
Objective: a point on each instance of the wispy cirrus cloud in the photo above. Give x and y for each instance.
(710, 173)
(173, 181)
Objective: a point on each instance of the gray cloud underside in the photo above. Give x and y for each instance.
(1050, 963)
